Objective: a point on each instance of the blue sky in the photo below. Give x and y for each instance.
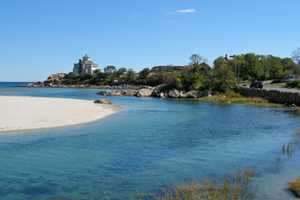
(42, 37)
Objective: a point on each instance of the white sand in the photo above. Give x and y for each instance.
(25, 113)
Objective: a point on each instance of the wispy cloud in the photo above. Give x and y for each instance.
(186, 11)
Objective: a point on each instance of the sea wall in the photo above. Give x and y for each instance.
(274, 96)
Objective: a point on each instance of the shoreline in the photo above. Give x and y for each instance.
(23, 113)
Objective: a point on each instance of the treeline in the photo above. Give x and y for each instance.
(223, 75)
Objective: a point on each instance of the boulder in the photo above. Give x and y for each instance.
(159, 90)
(192, 94)
(110, 93)
(129, 92)
(103, 101)
(162, 95)
(105, 93)
(144, 92)
(174, 94)
(196, 94)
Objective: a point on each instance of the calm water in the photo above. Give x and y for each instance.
(151, 143)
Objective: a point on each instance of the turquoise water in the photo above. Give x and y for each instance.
(150, 144)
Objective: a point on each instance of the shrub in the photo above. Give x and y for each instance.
(293, 84)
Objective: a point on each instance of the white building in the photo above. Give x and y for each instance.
(85, 66)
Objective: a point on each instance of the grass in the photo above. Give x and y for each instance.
(294, 186)
(235, 187)
(235, 98)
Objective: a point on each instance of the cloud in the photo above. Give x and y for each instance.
(186, 11)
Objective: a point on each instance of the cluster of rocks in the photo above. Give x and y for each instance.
(46, 85)
(158, 92)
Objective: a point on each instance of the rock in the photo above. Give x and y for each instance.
(145, 92)
(162, 95)
(158, 90)
(103, 101)
(129, 92)
(104, 93)
(110, 93)
(174, 94)
(196, 94)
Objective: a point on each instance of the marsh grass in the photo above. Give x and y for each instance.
(235, 187)
(235, 98)
(294, 187)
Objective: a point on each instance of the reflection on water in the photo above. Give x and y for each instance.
(151, 143)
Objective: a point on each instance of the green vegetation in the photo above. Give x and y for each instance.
(235, 98)
(293, 84)
(235, 187)
(222, 76)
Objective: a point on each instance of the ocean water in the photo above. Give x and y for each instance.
(149, 144)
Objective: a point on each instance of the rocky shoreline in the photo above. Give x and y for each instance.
(161, 91)
(157, 92)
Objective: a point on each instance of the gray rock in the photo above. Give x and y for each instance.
(174, 94)
(129, 92)
(158, 90)
(103, 101)
(196, 94)
(145, 92)
(105, 93)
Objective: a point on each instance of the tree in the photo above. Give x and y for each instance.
(121, 71)
(296, 56)
(110, 69)
(197, 59)
(254, 67)
(144, 73)
(238, 66)
(130, 76)
(223, 77)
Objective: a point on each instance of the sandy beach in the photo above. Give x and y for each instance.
(26, 113)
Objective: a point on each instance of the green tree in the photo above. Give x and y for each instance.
(130, 76)
(296, 56)
(223, 79)
(254, 67)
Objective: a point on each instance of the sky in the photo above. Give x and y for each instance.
(38, 38)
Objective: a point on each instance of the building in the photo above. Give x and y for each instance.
(85, 66)
(110, 69)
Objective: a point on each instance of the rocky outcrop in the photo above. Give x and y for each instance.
(160, 92)
(174, 94)
(103, 101)
(116, 92)
(144, 92)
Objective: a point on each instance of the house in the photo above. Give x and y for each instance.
(85, 66)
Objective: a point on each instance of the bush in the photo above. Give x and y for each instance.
(293, 84)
